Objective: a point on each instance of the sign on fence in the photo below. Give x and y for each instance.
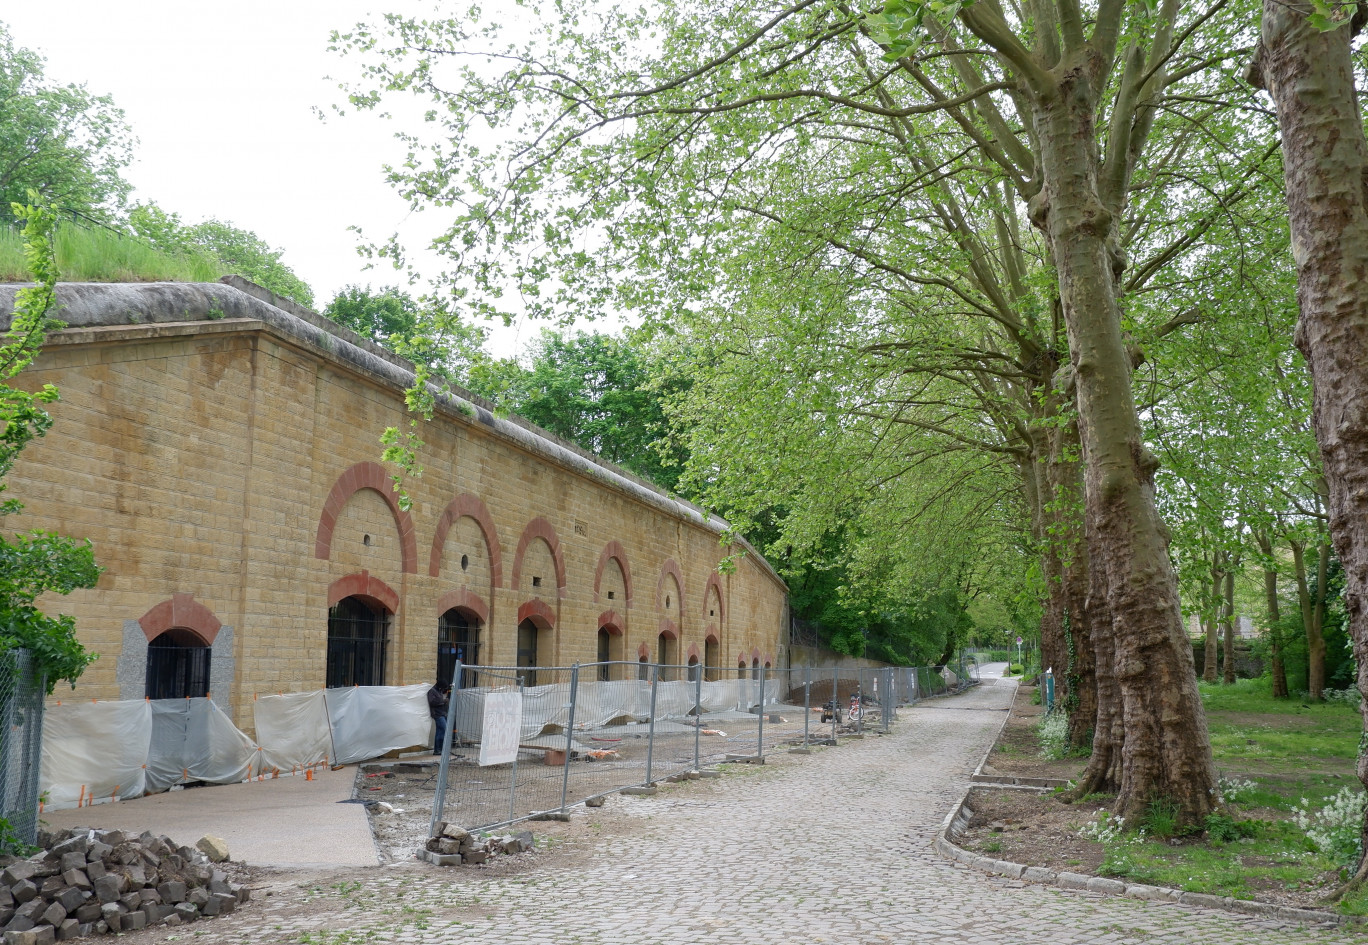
(502, 727)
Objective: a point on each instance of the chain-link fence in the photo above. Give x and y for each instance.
(21, 747)
(570, 734)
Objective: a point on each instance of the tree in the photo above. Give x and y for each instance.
(663, 155)
(40, 562)
(1305, 64)
(600, 392)
(237, 250)
(447, 346)
(62, 142)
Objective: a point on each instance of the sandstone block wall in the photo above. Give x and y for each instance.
(220, 453)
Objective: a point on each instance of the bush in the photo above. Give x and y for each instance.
(1334, 829)
(1053, 733)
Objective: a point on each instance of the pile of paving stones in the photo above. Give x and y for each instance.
(455, 845)
(97, 881)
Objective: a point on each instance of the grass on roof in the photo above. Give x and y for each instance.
(86, 254)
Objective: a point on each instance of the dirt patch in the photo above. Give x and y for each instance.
(1017, 751)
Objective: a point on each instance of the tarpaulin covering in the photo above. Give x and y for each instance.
(95, 750)
(192, 740)
(292, 730)
(368, 721)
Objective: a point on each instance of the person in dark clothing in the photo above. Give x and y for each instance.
(439, 697)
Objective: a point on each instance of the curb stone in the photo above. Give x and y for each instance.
(957, 820)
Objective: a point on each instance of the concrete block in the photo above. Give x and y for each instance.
(23, 891)
(53, 915)
(68, 930)
(133, 921)
(187, 911)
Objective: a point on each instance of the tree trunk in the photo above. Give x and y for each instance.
(1325, 156)
(1209, 620)
(1276, 669)
(1167, 754)
(1103, 772)
(1064, 473)
(1228, 618)
(1312, 614)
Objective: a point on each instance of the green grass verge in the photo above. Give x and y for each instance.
(1289, 750)
(98, 255)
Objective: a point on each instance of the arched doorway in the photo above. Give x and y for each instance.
(177, 665)
(711, 660)
(458, 640)
(527, 652)
(643, 666)
(605, 649)
(358, 632)
(741, 667)
(666, 655)
(694, 672)
(755, 668)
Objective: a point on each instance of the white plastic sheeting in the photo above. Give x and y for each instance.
(368, 721)
(546, 709)
(97, 751)
(192, 740)
(94, 751)
(292, 730)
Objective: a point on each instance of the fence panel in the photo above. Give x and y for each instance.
(592, 729)
(21, 741)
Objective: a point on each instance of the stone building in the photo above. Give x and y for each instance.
(218, 445)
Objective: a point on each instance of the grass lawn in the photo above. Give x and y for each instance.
(1271, 754)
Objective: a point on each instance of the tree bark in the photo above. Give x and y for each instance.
(1228, 617)
(1103, 772)
(1277, 671)
(1167, 754)
(1325, 156)
(1313, 615)
(1209, 666)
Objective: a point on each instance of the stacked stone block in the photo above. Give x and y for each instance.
(93, 882)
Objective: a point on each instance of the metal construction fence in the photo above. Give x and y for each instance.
(21, 746)
(583, 731)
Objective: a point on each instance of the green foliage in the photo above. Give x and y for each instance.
(421, 330)
(600, 392)
(62, 142)
(38, 563)
(235, 250)
(1053, 735)
(98, 254)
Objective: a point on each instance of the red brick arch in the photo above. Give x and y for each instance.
(468, 506)
(714, 584)
(643, 652)
(712, 635)
(184, 612)
(540, 528)
(358, 477)
(539, 613)
(668, 629)
(365, 586)
(611, 621)
(463, 599)
(693, 656)
(671, 566)
(610, 551)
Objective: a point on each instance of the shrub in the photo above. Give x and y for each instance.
(1334, 829)
(1053, 733)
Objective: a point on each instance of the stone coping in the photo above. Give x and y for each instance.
(957, 821)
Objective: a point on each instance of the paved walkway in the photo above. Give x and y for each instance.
(289, 822)
(832, 848)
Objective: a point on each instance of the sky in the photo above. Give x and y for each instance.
(222, 97)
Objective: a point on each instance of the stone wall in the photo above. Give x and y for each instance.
(218, 448)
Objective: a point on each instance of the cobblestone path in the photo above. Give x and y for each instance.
(833, 848)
